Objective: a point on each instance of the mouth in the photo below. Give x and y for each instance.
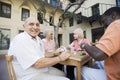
(34, 30)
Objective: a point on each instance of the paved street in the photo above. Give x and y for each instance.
(3, 68)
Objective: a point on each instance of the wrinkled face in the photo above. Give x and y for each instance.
(76, 36)
(32, 27)
(50, 35)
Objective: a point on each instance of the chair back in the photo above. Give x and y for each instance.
(10, 67)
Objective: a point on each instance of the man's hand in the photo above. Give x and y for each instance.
(57, 52)
(82, 45)
(64, 55)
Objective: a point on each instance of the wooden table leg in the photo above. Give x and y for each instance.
(90, 62)
(78, 71)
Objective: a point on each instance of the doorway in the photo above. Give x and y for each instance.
(97, 33)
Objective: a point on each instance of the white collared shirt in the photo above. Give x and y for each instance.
(26, 52)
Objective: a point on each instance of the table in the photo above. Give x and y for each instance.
(77, 60)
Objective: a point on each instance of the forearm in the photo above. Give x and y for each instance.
(46, 62)
(95, 52)
(49, 54)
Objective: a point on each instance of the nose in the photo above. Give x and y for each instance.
(35, 27)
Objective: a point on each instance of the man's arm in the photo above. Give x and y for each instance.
(94, 52)
(47, 62)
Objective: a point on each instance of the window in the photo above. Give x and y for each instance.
(84, 32)
(59, 40)
(25, 14)
(51, 20)
(4, 39)
(118, 2)
(60, 24)
(71, 21)
(95, 10)
(60, 4)
(54, 3)
(5, 10)
(40, 17)
(79, 18)
(72, 1)
(46, 1)
(71, 37)
(40, 0)
(97, 33)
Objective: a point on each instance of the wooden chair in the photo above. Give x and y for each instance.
(10, 67)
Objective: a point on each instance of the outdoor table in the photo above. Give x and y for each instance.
(78, 61)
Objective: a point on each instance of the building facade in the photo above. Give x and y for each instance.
(14, 12)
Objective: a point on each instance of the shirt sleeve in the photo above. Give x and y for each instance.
(110, 41)
(25, 53)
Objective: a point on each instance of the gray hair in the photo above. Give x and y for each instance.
(45, 32)
(30, 18)
(79, 31)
